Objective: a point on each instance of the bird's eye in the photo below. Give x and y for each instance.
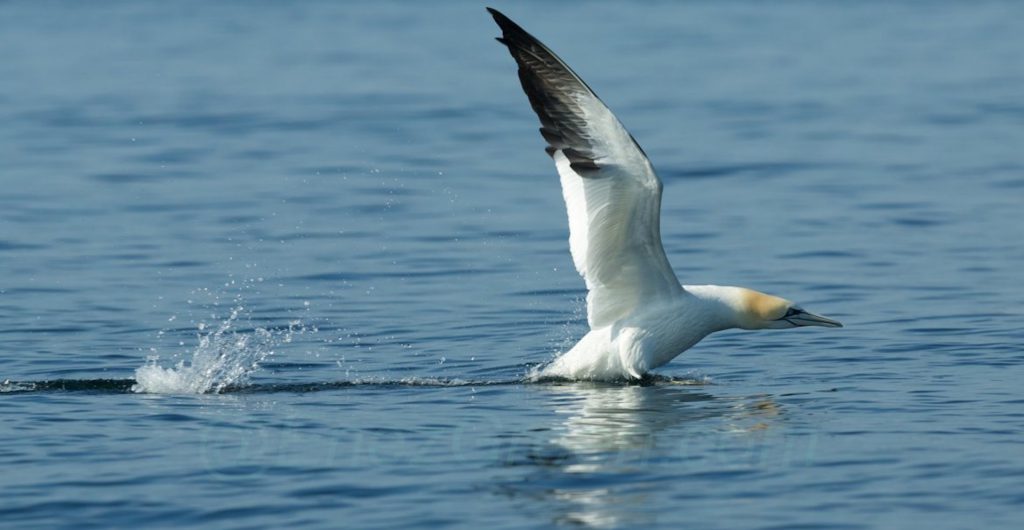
(793, 311)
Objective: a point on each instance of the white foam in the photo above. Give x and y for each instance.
(224, 357)
(15, 386)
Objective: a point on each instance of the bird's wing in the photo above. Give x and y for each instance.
(611, 191)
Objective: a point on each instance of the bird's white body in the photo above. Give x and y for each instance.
(640, 316)
(650, 337)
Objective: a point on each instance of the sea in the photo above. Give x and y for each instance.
(291, 264)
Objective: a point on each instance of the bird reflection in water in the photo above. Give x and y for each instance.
(596, 463)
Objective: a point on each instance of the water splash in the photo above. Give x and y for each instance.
(9, 386)
(224, 357)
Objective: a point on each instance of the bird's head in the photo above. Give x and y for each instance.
(756, 310)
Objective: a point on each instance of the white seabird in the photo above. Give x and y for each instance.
(640, 316)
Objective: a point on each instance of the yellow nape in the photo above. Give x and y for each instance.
(763, 306)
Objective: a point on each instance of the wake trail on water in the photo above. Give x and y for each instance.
(226, 357)
(121, 386)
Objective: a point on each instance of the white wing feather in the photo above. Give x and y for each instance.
(615, 242)
(612, 194)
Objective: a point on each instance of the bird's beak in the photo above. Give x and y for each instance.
(805, 318)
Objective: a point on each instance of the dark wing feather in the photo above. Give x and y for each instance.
(556, 94)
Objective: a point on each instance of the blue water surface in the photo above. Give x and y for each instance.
(340, 218)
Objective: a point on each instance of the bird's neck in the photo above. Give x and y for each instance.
(721, 305)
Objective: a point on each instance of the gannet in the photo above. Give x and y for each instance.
(640, 316)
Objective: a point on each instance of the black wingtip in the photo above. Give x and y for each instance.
(504, 22)
(498, 16)
(506, 25)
